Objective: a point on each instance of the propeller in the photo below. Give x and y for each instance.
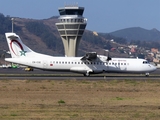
(108, 56)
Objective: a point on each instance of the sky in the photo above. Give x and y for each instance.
(102, 15)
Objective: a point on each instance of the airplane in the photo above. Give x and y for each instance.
(91, 63)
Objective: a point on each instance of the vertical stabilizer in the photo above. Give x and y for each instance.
(16, 46)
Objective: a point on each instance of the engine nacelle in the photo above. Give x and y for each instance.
(91, 55)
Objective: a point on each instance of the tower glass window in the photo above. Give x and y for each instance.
(71, 12)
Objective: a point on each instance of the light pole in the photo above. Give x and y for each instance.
(12, 24)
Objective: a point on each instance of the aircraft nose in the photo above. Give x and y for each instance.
(153, 67)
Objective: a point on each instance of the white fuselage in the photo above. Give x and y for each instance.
(75, 64)
(88, 64)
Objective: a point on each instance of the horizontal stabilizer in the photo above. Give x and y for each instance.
(13, 36)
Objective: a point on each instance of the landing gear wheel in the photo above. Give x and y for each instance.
(86, 74)
(147, 74)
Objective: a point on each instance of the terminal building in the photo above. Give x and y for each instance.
(71, 26)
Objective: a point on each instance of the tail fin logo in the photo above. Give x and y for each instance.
(22, 52)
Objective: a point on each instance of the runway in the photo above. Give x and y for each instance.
(19, 74)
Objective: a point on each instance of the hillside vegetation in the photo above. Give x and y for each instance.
(42, 36)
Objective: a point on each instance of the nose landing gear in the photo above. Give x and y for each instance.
(147, 74)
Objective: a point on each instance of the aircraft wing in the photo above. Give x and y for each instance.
(90, 56)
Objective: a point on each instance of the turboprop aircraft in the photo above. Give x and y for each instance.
(91, 63)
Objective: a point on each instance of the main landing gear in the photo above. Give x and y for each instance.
(86, 74)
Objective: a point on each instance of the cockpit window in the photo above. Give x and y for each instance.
(145, 62)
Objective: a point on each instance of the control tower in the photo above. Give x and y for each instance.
(71, 26)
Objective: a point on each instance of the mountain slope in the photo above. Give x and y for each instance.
(137, 33)
(42, 36)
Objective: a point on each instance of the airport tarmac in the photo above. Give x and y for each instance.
(20, 74)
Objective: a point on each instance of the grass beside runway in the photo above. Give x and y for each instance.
(75, 99)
